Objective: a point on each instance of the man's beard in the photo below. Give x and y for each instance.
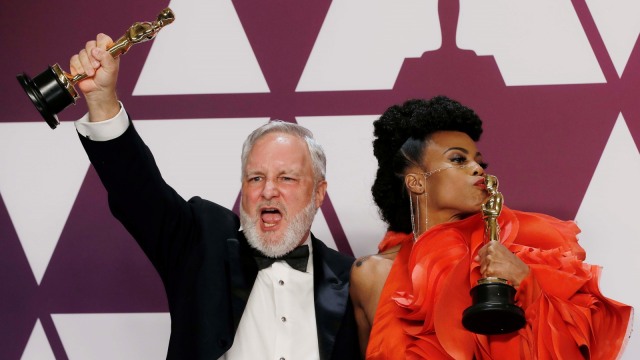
(293, 235)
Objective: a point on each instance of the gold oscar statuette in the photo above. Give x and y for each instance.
(493, 310)
(53, 90)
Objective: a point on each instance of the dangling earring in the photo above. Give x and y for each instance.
(426, 203)
(413, 222)
(426, 214)
(415, 228)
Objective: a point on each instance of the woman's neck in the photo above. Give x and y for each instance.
(430, 217)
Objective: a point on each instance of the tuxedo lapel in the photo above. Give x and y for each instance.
(242, 274)
(331, 294)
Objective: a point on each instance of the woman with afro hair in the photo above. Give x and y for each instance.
(409, 298)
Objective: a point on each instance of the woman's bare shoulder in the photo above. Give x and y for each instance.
(369, 270)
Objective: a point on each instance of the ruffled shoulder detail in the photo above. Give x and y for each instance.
(391, 239)
(546, 232)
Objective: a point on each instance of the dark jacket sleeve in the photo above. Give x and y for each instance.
(153, 213)
(185, 241)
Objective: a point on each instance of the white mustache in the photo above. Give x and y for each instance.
(272, 205)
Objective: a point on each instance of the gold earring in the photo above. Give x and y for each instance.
(413, 223)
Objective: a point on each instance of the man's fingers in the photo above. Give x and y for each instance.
(74, 65)
(85, 63)
(103, 41)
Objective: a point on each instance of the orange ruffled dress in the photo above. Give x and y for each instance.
(419, 315)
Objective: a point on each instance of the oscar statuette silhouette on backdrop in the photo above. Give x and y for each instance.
(493, 310)
(53, 90)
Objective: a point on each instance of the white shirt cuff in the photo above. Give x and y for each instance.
(103, 130)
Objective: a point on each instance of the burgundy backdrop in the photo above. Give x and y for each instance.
(556, 84)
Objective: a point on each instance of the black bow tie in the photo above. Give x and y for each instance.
(297, 259)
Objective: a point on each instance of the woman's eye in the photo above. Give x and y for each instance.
(459, 159)
(483, 165)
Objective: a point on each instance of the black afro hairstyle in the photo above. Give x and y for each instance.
(408, 127)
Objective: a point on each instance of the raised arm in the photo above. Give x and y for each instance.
(158, 218)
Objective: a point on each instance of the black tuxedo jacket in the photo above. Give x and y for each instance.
(204, 260)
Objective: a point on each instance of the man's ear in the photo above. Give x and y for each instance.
(321, 191)
(415, 183)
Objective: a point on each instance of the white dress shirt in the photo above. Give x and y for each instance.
(279, 321)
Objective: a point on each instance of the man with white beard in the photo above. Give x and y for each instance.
(269, 291)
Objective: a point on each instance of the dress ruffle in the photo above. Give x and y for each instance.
(567, 316)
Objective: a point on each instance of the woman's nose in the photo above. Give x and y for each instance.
(477, 169)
